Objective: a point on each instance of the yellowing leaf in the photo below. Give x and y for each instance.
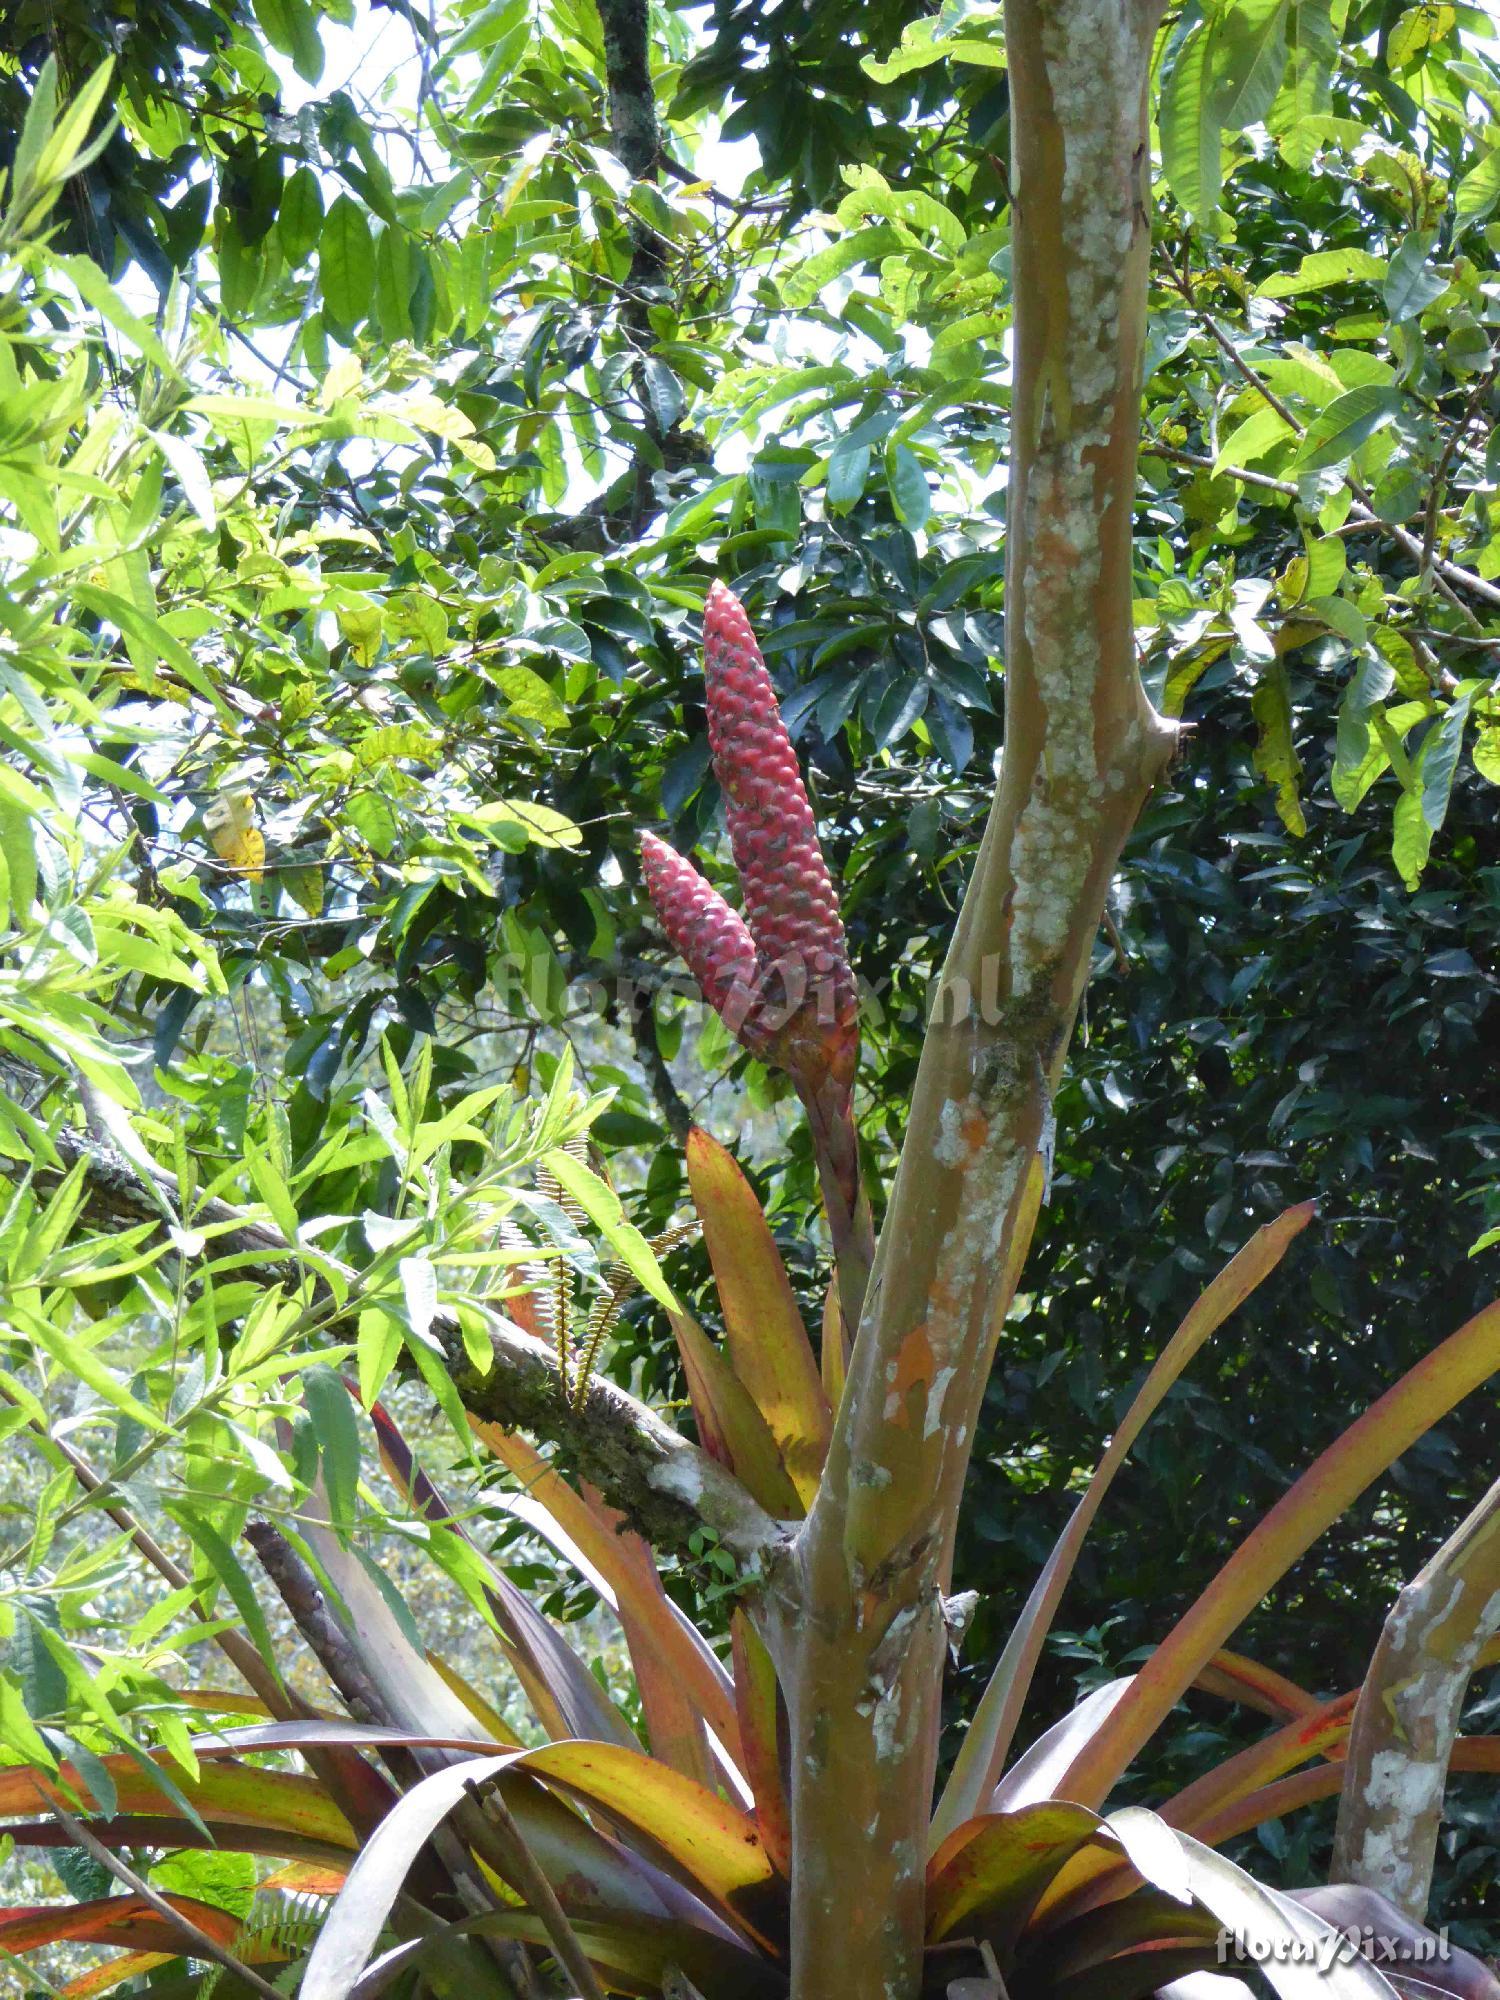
(230, 825)
(768, 1345)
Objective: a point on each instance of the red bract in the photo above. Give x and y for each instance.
(790, 904)
(719, 951)
(782, 981)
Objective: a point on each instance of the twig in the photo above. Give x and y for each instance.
(528, 1879)
(1420, 551)
(1462, 579)
(298, 1590)
(1440, 474)
(669, 1099)
(201, 1944)
(1122, 956)
(1200, 312)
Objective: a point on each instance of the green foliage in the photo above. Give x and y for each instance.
(358, 506)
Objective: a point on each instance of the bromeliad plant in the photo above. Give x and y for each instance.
(665, 1860)
(774, 1827)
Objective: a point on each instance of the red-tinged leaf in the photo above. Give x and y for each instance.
(359, 1913)
(1150, 1916)
(361, 1793)
(592, 1872)
(986, 1877)
(1035, 1776)
(226, 1836)
(1423, 1396)
(1321, 1734)
(1235, 1678)
(633, 1955)
(1163, 1966)
(112, 1972)
(564, 1696)
(768, 1344)
(671, 1678)
(308, 1736)
(731, 1428)
(583, 1860)
(987, 1742)
(758, 1699)
(1305, 1788)
(117, 1920)
(276, 1800)
(1365, 1913)
(710, 1845)
(681, 1683)
(1274, 1801)
(1199, 1808)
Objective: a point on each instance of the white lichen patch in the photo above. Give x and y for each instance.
(886, 1726)
(1400, 1791)
(1094, 51)
(950, 1146)
(678, 1476)
(935, 1394)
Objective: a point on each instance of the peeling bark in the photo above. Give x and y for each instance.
(1401, 1738)
(1082, 749)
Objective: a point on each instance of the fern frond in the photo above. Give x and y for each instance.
(620, 1283)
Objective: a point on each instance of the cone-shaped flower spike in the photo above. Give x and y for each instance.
(718, 950)
(782, 980)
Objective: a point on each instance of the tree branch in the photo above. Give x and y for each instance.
(633, 133)
(1452, 573)
(664, 1485)
(669, 1099)
(1401, 1738)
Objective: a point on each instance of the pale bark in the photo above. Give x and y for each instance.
(862, 1655)
(1401, 1738)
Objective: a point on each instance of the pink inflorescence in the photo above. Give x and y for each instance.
(719, 951)
(792, 957)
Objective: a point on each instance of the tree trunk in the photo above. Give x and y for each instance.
(1401, 1738)
(862, 1649)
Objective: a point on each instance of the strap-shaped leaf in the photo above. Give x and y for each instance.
(756, 1695)
(987, 1743)
(116, 1920)
(564, 1696)
(667, 1652)
(768, 1344)
(730, 1426)
(987, 1876)
(276, 1800)
(1423, 1396)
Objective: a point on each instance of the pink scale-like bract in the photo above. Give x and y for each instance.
(780, 980)
(717, 948)
(807, 983)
